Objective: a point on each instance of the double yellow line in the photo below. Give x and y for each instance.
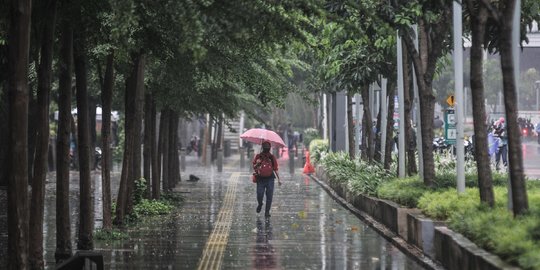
(215, 246)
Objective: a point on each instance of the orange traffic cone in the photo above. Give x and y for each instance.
(308, 168)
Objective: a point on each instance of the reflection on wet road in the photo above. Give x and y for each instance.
(307, 230)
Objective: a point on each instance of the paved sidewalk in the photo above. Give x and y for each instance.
(217, 228)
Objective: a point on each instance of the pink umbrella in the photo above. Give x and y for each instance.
(259, 135)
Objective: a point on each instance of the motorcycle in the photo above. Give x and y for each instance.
(440, 145)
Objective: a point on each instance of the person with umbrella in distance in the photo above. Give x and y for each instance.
(265, 167)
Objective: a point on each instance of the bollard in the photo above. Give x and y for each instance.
(220, 160)
(242, 158)
(291, 161)
(183, 159)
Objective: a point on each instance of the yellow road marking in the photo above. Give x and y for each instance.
(215, 246)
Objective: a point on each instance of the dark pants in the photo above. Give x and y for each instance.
(502, 151)
(265, 185)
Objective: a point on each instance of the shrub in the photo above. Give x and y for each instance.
(338, 166)
(496, 230)
(317, 149)
(516, 240)
(359, 176)
(151, 208)
(403, 191)
(310, 134)
(368, 177)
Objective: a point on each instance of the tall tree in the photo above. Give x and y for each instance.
(389, 126)
(147, 155)
(18, 50)
(478, 20)
(154, 152)
(48, 11)
(432, 19)
(503, 15)
(106, 99)
(65, 67)
(86, 207)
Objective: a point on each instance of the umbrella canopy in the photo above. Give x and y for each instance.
(259, 135)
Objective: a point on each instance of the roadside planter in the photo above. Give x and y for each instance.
(432, 238)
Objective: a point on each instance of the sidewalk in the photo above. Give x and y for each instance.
(217, 228)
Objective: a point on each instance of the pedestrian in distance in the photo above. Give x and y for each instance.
(499, 132)
(265, 169)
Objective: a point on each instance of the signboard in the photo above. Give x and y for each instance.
(450, 131)
(451, 100)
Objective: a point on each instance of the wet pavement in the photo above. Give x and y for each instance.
(531, 159)
(217, 228)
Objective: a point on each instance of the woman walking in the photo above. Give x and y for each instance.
(266, 170)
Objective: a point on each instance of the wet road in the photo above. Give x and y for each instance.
(217, 227)
(531, 159)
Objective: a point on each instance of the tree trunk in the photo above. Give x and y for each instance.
(367, 129)
(172, 150)
(106, 99)
(377, 156)
(74, 161)
(154, 152)
(430, 49)
(165, 148)
(137, 124)
(427, 104)
(92, 104)
(515, 155)
(4, 137)
(205, 141)
(147, 155)
(350, 124)
(65, 66)
(32, 132)
(86, 207)
(478, 27)
(17, 204)
(160, 150)
(391, 89)
(132, 135)
(42, 146)
(410, 141)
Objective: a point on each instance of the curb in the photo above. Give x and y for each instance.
(399, 242)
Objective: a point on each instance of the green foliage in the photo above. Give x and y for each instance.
(140, 190)
(317, 149)
(144, 207)
(359, 176)
(516, 240)
(110, 235)
(403, 191)
(151, 208)
(310, 134)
